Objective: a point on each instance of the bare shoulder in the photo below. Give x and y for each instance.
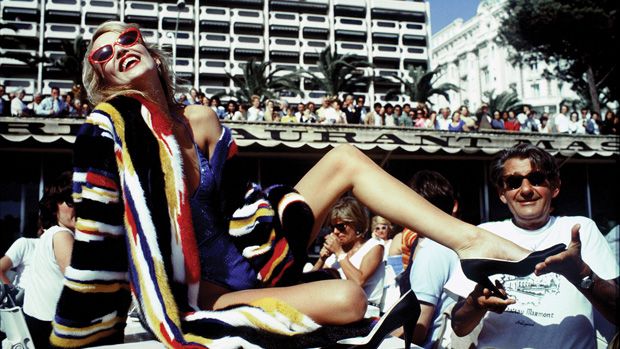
(205, 124)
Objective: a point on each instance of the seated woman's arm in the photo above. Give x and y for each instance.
(371, 261)
(5, 265)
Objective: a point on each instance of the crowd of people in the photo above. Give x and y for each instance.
(351, 110)
(54, 105)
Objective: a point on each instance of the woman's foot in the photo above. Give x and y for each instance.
(486, 245)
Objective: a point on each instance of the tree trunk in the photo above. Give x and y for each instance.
(592, 89)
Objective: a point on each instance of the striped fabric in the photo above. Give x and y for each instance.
(407, 245)
(134, 234)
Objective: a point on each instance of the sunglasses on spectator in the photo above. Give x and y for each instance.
(127, 38)
(381, 227)
(341, 227)
(535, 178)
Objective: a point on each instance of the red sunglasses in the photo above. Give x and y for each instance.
(127, 38)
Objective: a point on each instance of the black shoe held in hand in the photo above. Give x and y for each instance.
(479, 269)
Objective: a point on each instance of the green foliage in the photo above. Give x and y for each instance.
(507, 100)
(420, 86)
(574, 37)
(339, 73)
(256, 81)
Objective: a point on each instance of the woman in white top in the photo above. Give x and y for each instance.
(350, 250)
(50, 259)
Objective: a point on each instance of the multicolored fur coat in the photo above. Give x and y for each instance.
(134, 235)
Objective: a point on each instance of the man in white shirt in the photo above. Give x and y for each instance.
(17, 104)
(255, 113)
(553, 306)
(560, 120)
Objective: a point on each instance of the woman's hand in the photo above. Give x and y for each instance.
(324, 253)
(332, 244)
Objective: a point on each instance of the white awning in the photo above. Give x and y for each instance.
(294, 136)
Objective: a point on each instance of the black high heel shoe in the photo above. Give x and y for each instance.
(404, 313)
(479, 270)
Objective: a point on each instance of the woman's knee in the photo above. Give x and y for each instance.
(351, 300)
(346, 155)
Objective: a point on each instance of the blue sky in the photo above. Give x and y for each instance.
(443, 12)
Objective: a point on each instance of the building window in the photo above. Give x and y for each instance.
(535, 90)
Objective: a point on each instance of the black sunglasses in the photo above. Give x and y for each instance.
(535, 178)
(341, 227)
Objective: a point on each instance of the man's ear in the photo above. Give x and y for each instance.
(502, 197)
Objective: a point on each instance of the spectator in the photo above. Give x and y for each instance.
(18, 108)
(268, 116)
(241, 113)
(420, 119)
(585, 114)
(575, 125)
(77, 107)
(5, 106)
(431, 120)
(484, 118)
(309, 116)
(457, 125)
(301, 108)
(217, 107)
(333, 115)
(382, 230)
(389, 119)
(554, 304)
(194, 97)
(497, 123)
(607, 127)
(469, 120)
(544, 124)
(231, 109)
(351, 112)
(182, 99)
(434, 265)
(85, 109)
(561, 122)
(51, 257)
(511, 123)
(204, 100)
(255, 113)
(443, 119)
(52, 105)
(36, 101)
(361, 108)
(593, 124)
(288, 115)
(401, 119)
(528, 121)
(349, 249)
(325, 104)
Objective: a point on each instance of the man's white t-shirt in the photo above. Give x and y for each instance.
(550, 311)
(46, 279)
(20, 253)
(561, 123)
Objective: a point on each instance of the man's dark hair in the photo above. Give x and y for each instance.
(57, 192)
(539, 159)
(435, 188)
(377, 104)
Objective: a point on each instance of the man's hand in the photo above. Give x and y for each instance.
(568, 263)
(483, 299)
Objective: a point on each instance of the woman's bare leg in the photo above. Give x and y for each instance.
(328, 302)
(346, 168)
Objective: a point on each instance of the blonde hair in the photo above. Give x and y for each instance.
(350, 210)
(377, 220)
(95, 85)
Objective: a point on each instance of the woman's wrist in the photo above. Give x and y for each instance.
(341, 256)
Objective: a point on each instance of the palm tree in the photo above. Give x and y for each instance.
(419, 86)
(504, 101)
(339, 73)
(256, 81)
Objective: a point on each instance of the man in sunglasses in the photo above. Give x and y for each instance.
(554, 305)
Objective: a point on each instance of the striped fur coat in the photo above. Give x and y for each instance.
(134, 235)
